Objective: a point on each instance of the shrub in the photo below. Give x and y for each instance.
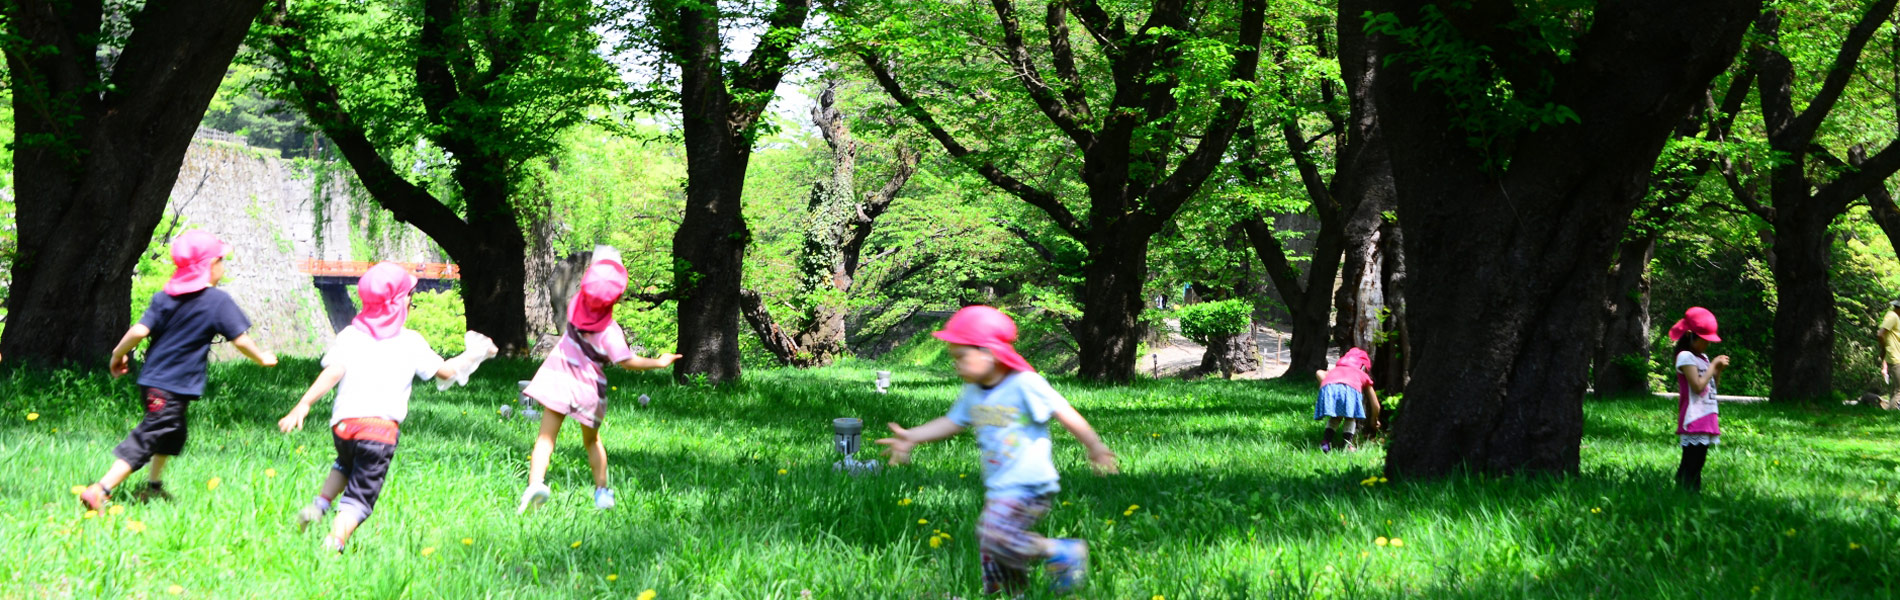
(1206, 321)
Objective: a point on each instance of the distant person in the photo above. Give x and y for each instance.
(1344, 393)
(371, 364)
(182, 321)
(1697, 429)
(1890, 354)
(572, 381)
(1008, 406)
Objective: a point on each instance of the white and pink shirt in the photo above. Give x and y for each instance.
(573, 379)
(1695, 413)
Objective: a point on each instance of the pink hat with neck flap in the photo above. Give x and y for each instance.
(592, 308)
(987, 328)
(193, 254)
(384, 290)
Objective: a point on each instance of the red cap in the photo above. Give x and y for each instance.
(1696, 320)
(987, 328)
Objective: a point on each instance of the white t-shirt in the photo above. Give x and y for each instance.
(377, 373)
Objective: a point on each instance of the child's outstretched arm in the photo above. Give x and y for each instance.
(639, 363)
(121, 363)
(898, 448)
(248, 347)
(1100, 457)
(325, 381)
(477, 348)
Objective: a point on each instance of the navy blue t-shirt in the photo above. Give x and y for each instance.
(183, 328)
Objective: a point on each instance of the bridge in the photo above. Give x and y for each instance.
(333, 279)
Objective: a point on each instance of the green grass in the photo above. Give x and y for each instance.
(1234, 502)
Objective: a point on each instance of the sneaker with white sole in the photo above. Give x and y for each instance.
(533, 497)
(1068, 566)
(603, 498)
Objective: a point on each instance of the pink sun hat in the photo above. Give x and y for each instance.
(1696, 320)
(987, 328)
(384, 290)
(193, 254)
(1358, 375)
(592, 308)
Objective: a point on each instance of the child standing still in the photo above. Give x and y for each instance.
(1697, 428)
(182, 321)
(572, 381)
(372, 364)
(1009, 407)
(1344, 391)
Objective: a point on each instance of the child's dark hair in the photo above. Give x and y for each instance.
(1687, 343)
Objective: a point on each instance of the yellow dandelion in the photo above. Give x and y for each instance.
(1398, 543)
(1789, 532)
(1853, 546)
(923, 521)
(936, 542)
(612, 577)
(904, 502)
(32, 416)
(92, 514)
(576, 544)
(79, 489)
(135, 526)
(213, 484)
(1596, 511)
(428, 551)
(270, 472)
(1128, 513)
(945, 536)
(646, 595)
(116, 510)
(1159, 597)
(1381, 541)
(1111, 522)
(175, 590)
(1064, 502)
(468, 541)
(962, 475)
(1363, 554)
(1754, 590)
(1383, 480)
(781, 471)
(300, 449)
(1134, 507)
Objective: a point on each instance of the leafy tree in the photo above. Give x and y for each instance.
(105, 100)
(1130, 100)
(492, 86)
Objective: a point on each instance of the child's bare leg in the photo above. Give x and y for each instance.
(596, 454)
(156, 470)
(116, 474)
(332, 485)
(341, 528)
(544, 447)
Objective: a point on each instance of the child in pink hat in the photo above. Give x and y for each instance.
(371, 364)
(1697, 428)
(181, 322)
(1008, 406)
(1344, 392)
(572, 381)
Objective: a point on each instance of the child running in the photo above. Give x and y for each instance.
(1010, 407)
(1697, 429)
(372, 364)
(572, 381)
(1344, 392)
(182, 321)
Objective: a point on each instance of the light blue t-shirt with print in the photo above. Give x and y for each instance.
(1011, 425)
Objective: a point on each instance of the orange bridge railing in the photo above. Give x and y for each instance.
(356, 268)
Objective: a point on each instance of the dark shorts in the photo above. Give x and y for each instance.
(161, 433)
(363, 452)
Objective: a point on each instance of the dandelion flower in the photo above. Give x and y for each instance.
(32, 416)
(1363, 554)
(79, 489)
(1111, 522)
(468, 541)
(1159, 597)
(1596, 511)
(1381, 541)
(646, 595)
(904, 502)
(92, 514)
(213, 484)
(923, 521)
(1134, 507)
(116, 510)
(175, 590)
(1853, 546)
(611, 577)
(576, 544)
(1789, 532)
(1398, 543)
(428, 551)
(1128, 513)
(945, 536)
(936, 542)
(300, 449)
(781, 471)
(135, 526)
(270, 472)
(962, 475)
(1064, 502)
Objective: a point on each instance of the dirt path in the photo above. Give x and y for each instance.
(1179, 354)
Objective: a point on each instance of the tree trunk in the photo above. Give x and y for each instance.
(1804, 311)
(1230, 355)
(1357, 302)
(1622, 357)
(1109, 334)
(1507, 263)
(1309, 302)
(93, 169)
(1392, 360)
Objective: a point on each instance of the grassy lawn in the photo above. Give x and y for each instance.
(729, 493)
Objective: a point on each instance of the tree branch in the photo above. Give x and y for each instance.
(1035, 197)
(1031, 79)
(1842, 71)
(1285, 278)
(1057, 22)
(1870, 172)
(766, 66)
(1193, 170)
(1027, 238)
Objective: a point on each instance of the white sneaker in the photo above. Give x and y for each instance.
(603, 498)
(533, 497)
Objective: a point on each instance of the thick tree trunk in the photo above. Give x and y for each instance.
(1109, 334)
(1357, 302)
(1392, 360)
(1230, 355)
(1309, 302)
(93, 169)
(1804, 311)
(1508, 264)
(1622, 357)
(709, 253)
